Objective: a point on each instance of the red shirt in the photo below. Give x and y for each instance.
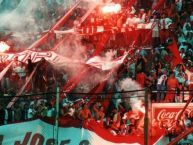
(140, 78)
(172, 83)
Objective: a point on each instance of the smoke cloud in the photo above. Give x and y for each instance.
(22, 17)
(137, 100)
(74, 49)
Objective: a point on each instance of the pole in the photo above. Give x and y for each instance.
(56, 116)
(146, 121)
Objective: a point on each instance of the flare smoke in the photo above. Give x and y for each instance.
(135, 98)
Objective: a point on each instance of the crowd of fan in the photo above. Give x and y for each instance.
(117, 121)
(120, 119)
(162, 77)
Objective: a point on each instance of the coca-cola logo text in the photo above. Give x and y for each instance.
(166, 116)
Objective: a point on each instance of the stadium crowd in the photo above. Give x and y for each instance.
(153, 69)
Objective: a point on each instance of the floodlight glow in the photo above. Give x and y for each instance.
(111, 8)
(4, 46)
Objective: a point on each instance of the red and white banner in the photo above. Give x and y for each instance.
(165, 114)
(173, 48)
(59, 60)
(36, 56)
(41, 133)
(101, 29)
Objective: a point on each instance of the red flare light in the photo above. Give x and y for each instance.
(4, 46)
(111, 8)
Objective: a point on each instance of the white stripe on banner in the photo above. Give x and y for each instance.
(38, 132)
(59, 60)
(103, 64)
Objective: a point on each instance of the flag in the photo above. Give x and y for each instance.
(101, 44)
(173, 48)
(101, 86)
(94, 126)
(103, 64)
(69, 133)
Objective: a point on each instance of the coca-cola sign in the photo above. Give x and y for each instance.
(165, 114)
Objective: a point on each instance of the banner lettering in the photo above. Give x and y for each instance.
(25, 141)
(165, 114)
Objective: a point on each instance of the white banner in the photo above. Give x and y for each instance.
(38, 132)
(102, 64)
(61, 61)
(35, 56)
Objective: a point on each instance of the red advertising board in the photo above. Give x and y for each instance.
(165, 114)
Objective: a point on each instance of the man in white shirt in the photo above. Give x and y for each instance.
(165, 22)
(155, 30)
(161, 86)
